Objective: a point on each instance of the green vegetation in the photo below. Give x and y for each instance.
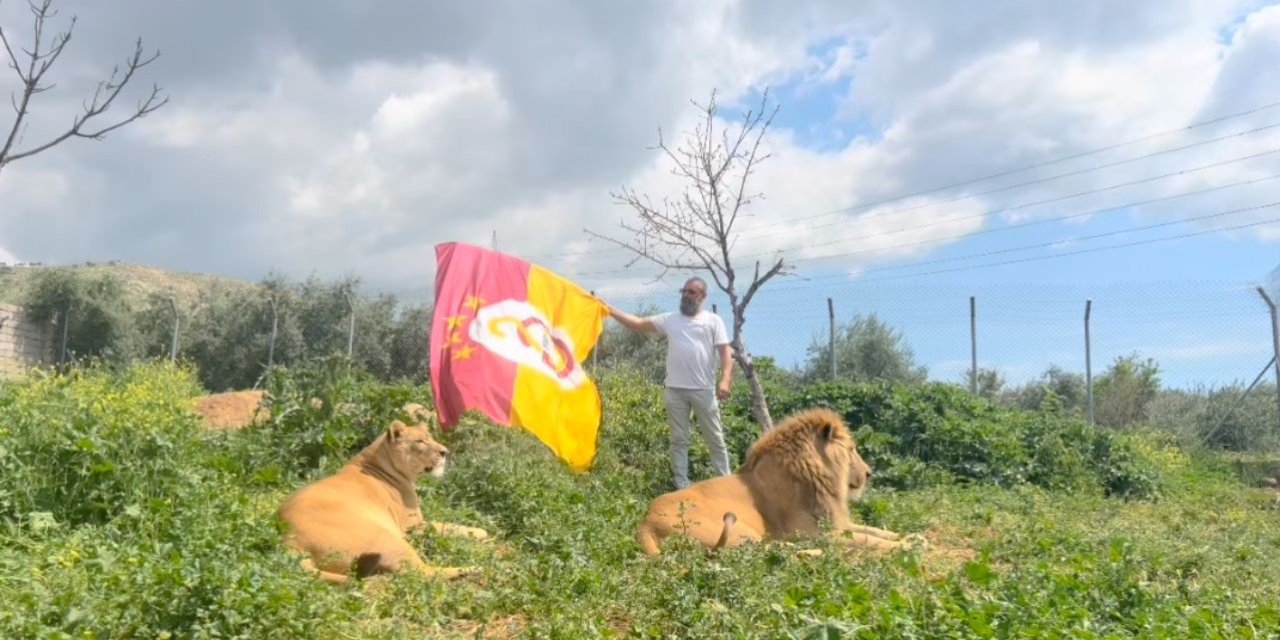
(121, 517)
(120, 315)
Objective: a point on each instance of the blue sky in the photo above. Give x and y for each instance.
(350, 139)
(1188, 303)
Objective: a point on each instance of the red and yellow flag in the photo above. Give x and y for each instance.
(508, 339)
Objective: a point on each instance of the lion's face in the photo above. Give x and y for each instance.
(413, 451)
(859, 474)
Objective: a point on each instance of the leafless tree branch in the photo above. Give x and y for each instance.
(40, 58)
(696, 230)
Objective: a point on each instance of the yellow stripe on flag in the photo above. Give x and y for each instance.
(563, 414)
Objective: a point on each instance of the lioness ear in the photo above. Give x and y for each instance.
(396, 431)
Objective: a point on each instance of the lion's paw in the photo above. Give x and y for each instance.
(914, 541)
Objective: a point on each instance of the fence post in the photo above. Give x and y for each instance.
(1088, 360)
(1275, 344)
(173, 349)
(271, 350)
(66, 321)
(351, 332)
(1239, 401)
(973, 345)
(831, 336)
(596, 349)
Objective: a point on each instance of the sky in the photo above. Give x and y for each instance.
(1030, 154)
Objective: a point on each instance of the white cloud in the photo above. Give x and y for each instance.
(303, 142)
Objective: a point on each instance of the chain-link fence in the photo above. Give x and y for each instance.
(1199, 353)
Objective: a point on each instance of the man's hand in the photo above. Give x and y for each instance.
(722, 391)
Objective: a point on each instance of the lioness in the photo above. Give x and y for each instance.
(360, 514)
(232, 409)
(798, 474)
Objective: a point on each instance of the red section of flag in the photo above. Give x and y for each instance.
(465, 375)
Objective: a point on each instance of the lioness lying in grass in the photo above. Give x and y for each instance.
(358, 516)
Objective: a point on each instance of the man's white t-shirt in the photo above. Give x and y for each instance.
(691, 347)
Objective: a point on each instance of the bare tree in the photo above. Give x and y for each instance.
(696, 231)
(32, 64)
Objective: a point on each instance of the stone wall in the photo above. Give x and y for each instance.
(23, 342)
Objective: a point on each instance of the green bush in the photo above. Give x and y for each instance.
(87, 446)
(920, 435)
(90, 311)
(304, 437)
(1222, 418)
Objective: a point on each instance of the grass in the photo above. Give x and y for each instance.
(121, 518)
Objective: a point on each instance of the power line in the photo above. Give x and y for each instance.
(1041, 246)
(1027, 183)
(969, 181)
(1024, 205)
(1062, 218)
(1054, 199)
(1095, 236)
(989, 212)
(1047, 220)
(1090, 250)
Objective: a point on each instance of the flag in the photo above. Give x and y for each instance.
(508, 339)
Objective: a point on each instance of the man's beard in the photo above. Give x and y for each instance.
(688, 307)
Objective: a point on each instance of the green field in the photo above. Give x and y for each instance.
(123, 518)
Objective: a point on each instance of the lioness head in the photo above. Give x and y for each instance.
(413, 451)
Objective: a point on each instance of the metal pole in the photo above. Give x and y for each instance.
(831, 336)
(1275, 344)
(1088, 360)
(1214, 431)
(271, 350)
(173, 349)
(596, 349)
(973, 345)
(351, 333)
(66, 321)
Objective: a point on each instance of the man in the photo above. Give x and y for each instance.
(696, 339)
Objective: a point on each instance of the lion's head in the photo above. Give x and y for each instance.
(859, 473)
(815, 450)
(411, 451)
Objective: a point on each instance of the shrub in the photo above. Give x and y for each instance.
(920, 435)
(304, 437)
(89, 445)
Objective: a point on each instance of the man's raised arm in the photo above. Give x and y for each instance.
(634, 323)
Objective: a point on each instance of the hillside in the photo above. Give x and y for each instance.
(140, 282)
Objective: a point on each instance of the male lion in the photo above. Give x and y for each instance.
(798, 474)
(360, 514)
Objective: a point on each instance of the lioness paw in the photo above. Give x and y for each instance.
(458, 572)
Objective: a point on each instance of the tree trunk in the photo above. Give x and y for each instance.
(759, 405)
